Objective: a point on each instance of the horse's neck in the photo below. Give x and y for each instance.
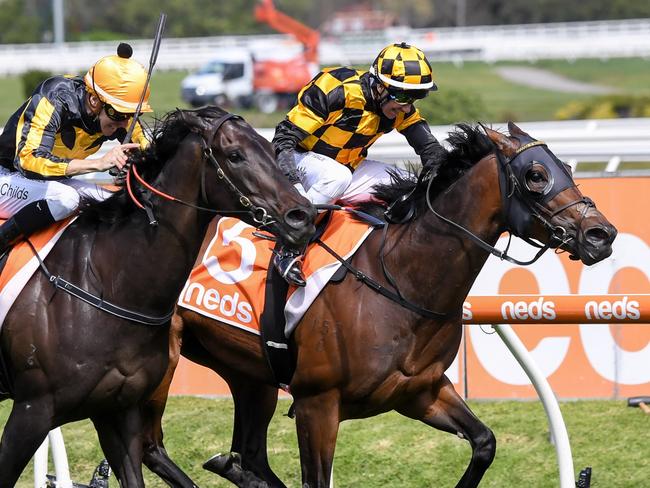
(160, 257)
(452, 260)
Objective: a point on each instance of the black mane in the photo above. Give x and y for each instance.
(469, 144)
(167, 134)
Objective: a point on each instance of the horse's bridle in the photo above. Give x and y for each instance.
(510, 185)
(259, 214)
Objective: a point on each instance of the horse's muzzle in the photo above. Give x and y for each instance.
(595, 243)
(299, 221)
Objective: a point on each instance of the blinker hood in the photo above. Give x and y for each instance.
(520, 204)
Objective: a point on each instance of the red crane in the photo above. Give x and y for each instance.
(286, 76)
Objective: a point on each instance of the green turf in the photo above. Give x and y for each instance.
(392, 451)
(503, 100)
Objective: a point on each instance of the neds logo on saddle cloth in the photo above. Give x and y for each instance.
(229, 283)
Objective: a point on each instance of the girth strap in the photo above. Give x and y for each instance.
(97, 302)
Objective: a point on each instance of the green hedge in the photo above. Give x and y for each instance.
(606, 107)
(31, 79)
(451, 106)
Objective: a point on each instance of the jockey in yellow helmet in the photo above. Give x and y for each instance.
(50, 137)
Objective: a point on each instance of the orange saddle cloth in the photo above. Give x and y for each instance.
(22, 263)
(229, 282)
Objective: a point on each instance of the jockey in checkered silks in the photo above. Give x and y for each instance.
(323, 142)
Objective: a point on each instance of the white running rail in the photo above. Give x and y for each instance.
(602, 146)
(527, 42)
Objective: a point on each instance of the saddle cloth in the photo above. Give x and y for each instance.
(22, 263)
(228, 283)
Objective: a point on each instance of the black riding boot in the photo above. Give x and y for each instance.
(288, 262)
(32, 217)
(10, 234)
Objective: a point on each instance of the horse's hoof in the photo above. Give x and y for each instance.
(220, 463)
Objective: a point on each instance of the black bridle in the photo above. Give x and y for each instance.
(511, 183)
(259, 214)
(518, 217)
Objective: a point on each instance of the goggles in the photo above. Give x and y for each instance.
(406, 97)
(115, 115)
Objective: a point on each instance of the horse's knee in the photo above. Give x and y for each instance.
(484, 447)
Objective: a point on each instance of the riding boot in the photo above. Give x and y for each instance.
(288, 262)
(32, 217)
(10, 234)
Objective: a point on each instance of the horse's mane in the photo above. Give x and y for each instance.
(167, 133)
(469, 145)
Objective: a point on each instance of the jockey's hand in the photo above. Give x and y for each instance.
(287, 164)
(430, 168)
(117, 156)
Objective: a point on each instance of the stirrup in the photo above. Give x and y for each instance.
(289, 265)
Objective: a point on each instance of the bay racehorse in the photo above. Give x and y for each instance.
(65, 360)
(359, 353)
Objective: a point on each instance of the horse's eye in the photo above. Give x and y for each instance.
(235, 157)
(537, 179)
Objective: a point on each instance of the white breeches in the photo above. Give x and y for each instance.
(62, 196)
(325, 180)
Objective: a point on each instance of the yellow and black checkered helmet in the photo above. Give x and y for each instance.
(118, 81)
(403, 67)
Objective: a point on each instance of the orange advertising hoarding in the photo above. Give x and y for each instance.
(580, 360)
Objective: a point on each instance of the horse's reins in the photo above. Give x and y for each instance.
(259, 214)
(123, 313)
(534, 206)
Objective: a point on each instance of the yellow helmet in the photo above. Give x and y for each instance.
(403, 67)
(118, 81)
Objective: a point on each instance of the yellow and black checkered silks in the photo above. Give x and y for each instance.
(337, 112)
(404, 67)
(52, 128)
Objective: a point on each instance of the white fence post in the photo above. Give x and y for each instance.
(61, 469)
(551, 406)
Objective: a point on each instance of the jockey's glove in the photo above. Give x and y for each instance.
(287, 164)
(429, 168)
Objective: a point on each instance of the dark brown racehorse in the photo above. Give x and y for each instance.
(66, 360)
(359, 353)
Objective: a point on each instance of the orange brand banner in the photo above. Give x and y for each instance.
(579, 358)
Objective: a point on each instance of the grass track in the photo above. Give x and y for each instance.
(392, 451)
(503, 100)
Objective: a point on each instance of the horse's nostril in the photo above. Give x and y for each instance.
(598, 236)
(297, 217)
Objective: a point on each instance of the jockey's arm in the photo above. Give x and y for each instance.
(425, 145)
(286, 139)
(310, 113)
(34, 157)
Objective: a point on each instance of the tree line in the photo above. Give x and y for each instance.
(24, 21)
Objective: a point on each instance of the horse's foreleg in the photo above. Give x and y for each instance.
(444, 409)
(247, 464)
(155, 455)
(25, 430)
(119, 436)
(317, 423)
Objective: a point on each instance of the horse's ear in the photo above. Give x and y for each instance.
(516, 131)
(501, 141)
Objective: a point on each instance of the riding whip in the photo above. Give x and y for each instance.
(152, 62)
